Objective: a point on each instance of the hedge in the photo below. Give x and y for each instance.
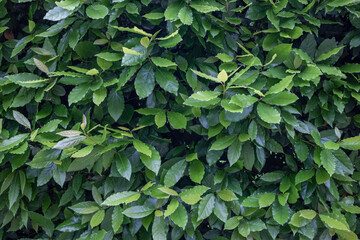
(185, 119)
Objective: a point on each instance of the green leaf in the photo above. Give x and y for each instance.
(159, 229)
(191, 199)
(133, 60)
(138, 211)
(70, 225)
(97, 11)
(180, 216)
(167, 81)
(328, 161)
(327, 55)
(281, 99)
(41, 66)
(301, 150)
(333, 223)
(203, 75)
(268, 113)
(350, 68)
(280, 213)
(99, 95)
(234, 152)
(133, 30)
(177, 120)
(206, 206)
(223, 142)
(142, 147)
(171, 208)
(12, 142)
(227, 195)
(196, 171)
(152, 163)
(220, 210)
(308, 213)
(108, 56)
(85, 207)
(121, 197)
(57, 14)
(20, 118)
(282, 51)
(83, 152)
(145, 77)
(77, 93)
(243, 100)
(352, 143)
(304, 175)
(44, 158)
(27, 80)
(160, 119)
(123, 165)
(321, 176)
(266, 200)
(205, 95)
(69, 142)
(174, 174)
(44, 222)
(50, 126)
(204, 6)
(97, 218)
(162, 62)
(186, 16)
(231, 223)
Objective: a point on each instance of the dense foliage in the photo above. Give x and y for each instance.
(185, 119)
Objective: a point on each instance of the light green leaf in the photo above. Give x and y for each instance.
(173, 205)
(108, 56)
(117, 218)
(280, 213)
(227, 195)
(97, 11)
(162, 62)
(121, 197)
(308, 213)
(304, 175)
(177, 120)
(352, 143)
(327, 55)
(205, 95)
(138, 211)
(152, 163)
(160, 119)
(232, 223)
(142, 147)
(159, 229)
(186, 15)
(196, 171)
(268, 113)
(132, 30)
(266, 200)
(333, 223)
(243, 100)
(180, 216)
(97, 218)
(191, 199)
(328, 161)
(280, 86)
(123, 165)
(50, 126)
(83, 152)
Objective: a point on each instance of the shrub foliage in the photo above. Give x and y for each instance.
(185, 119)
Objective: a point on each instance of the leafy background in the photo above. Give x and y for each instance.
(179, 119)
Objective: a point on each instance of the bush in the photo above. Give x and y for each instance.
(179, 119)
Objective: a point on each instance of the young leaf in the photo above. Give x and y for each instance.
(20, 118)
